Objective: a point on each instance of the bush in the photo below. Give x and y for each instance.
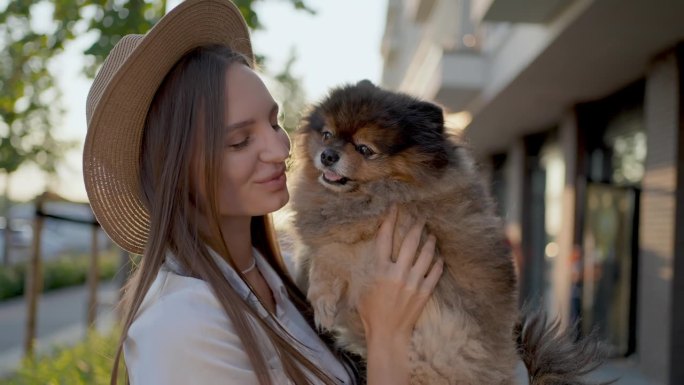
(11, 282)
(89, 362)
(67, 270)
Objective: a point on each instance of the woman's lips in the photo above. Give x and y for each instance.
(275, 182)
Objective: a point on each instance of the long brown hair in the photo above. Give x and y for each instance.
(183, 133)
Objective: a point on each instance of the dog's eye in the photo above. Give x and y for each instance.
(364, 150)
(326, 135)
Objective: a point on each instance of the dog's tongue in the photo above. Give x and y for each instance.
(331, 176)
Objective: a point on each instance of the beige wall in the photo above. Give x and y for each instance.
(657, 220)
(562, 273)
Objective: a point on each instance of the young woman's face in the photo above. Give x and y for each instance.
(252, 175)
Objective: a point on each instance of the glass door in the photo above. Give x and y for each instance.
(608, 281)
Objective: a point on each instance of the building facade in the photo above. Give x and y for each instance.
(575, 109)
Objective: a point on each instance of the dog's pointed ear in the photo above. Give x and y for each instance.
(429, 114)
(314, 120)
(365, 83)
(427, 122)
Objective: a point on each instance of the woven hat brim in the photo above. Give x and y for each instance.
(111, 155)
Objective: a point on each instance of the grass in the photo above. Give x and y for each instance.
(67, 270)
(87, 363)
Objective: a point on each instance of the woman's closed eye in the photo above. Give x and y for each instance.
(239, 143)
(242, 142)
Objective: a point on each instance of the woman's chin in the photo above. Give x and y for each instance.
(279, 202)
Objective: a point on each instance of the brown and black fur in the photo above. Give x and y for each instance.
(466, 334)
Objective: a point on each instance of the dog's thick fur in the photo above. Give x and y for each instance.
(342, 190)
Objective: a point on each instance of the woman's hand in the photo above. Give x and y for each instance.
(394, 300)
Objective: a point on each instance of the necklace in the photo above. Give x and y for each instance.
(250, 268)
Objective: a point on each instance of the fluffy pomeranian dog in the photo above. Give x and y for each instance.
(363, 149)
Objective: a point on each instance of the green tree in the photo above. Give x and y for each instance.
(29, 106)
(289, 92)
(113, 19)
(29, 101)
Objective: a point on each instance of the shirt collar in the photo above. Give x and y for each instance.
(232, 276)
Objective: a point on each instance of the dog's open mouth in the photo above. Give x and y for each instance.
(334, 178)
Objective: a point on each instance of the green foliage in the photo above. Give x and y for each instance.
(70, 271)
(90, 362)
(111, 20)
(12, 281)
(290, 94)
(30, 103)
(67, 270)
(247, 9)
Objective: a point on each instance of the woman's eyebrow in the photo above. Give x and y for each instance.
(274, 110)
(241, 124)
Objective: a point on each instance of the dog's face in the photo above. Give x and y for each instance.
(362, 134)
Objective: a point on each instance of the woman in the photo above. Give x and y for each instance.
(183, 163)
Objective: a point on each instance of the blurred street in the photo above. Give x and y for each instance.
(61, 321)
(572, 109)
(58, 236)
(62, 315)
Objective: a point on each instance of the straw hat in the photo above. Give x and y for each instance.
(120, 97)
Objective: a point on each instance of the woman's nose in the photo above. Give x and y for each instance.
(276, 146)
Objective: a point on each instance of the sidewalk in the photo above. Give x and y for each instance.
(624, 370)
(61, 321)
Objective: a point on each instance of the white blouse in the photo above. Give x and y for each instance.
(181, 334)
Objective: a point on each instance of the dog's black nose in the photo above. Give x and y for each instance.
(329, 157)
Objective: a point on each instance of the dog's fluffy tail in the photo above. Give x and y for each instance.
(554, 356)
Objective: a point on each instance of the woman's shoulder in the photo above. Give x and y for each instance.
(182, 335)
(179, 306)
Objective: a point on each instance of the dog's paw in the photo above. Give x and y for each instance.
(325, 310)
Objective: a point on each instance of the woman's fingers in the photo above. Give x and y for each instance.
(427, 253)
(398, 292)
(385, 236)
(409, 246)
(430, 282)
(416, 271)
